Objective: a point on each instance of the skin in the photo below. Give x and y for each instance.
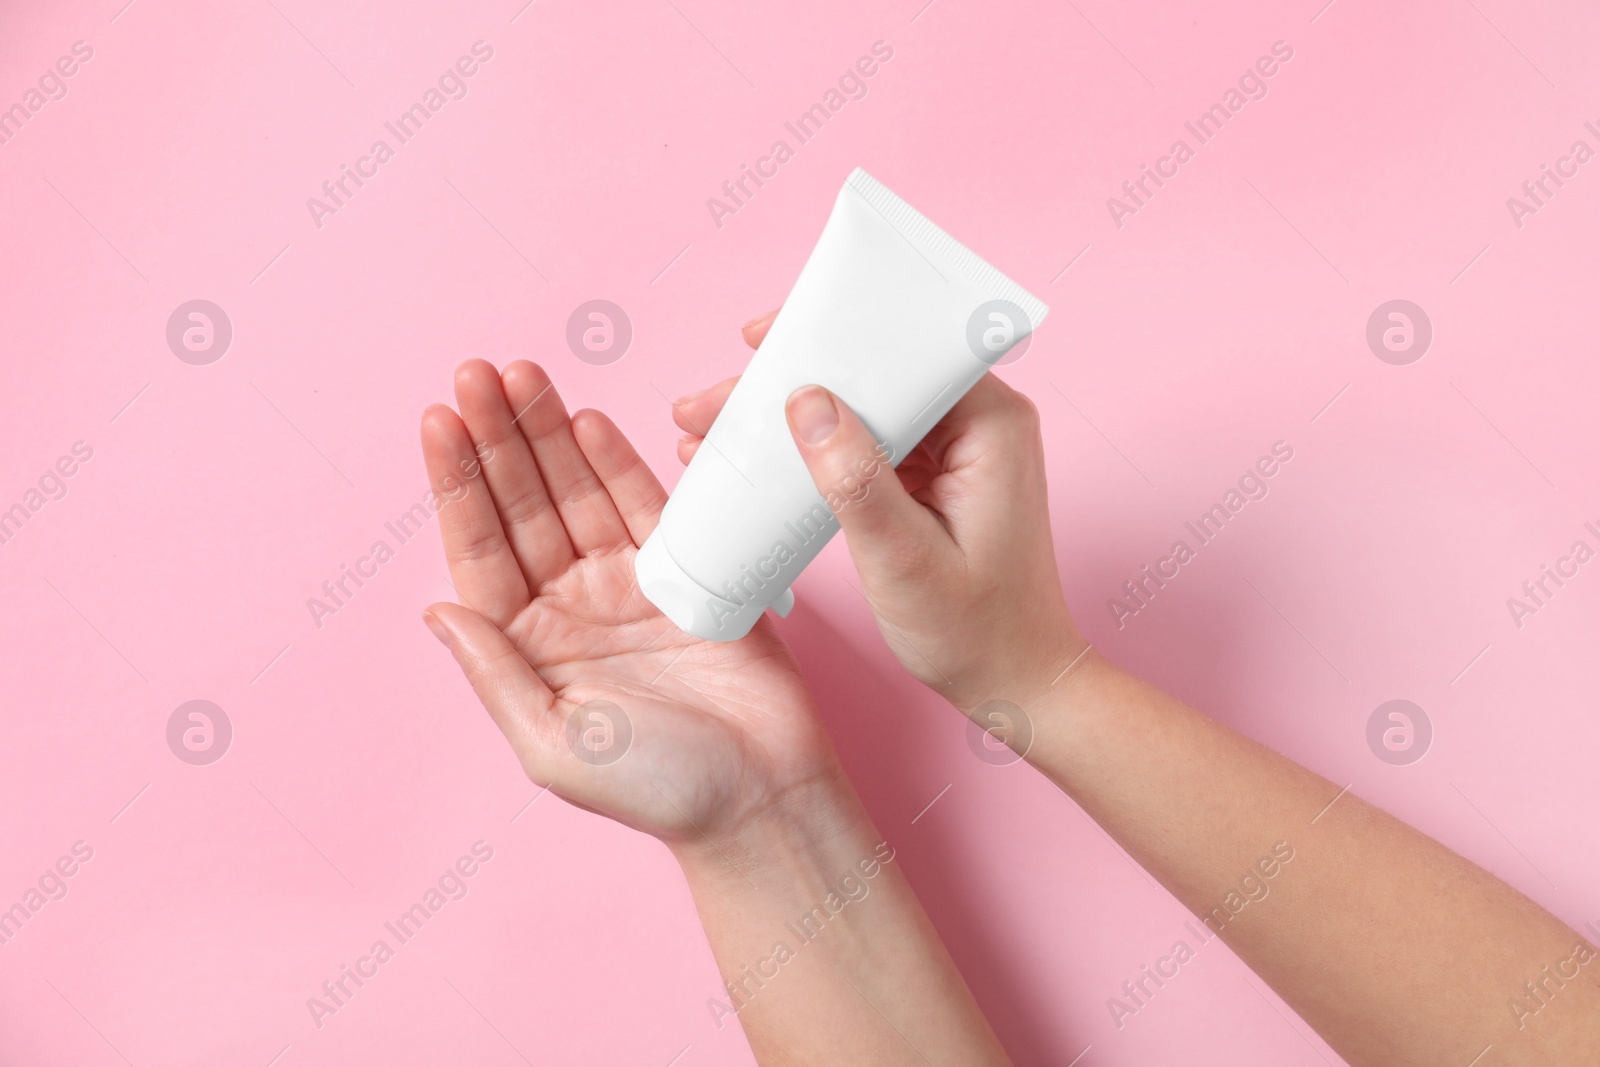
(1396, 950)
(728, 764)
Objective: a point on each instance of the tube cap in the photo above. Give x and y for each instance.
(692, 607)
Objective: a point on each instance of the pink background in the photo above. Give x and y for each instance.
(1223, 317)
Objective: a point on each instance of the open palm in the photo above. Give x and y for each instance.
(603, 699)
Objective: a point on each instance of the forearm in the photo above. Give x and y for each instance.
(1394, 948)
(826, 954)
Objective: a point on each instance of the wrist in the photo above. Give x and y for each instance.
(1063, 660)
(1037, 712)
(1029, 675)
(799, 843)
(1069, 719)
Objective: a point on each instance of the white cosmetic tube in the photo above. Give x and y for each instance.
(893, 316)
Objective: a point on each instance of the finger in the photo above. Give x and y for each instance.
(755, 331)
(483, 568)
(634, 490)
(989, 408)
(688, 445)
(532, 526)
(585, 507)
(516, 698)
(891, 536)
(696, 412)
(917, 473)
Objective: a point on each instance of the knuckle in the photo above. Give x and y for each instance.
(525, 504)
(580, 491)
(909, 559)
(1026, 411)
(619, 465)
(473, 539)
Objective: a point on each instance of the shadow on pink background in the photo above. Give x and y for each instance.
(1229, 312)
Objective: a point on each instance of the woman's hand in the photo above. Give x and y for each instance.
(541, 518)
(953, 547)
(726, 763)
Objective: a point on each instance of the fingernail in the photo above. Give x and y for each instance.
(813, 413)
(431, 621)
(688, 397)
(757, 321)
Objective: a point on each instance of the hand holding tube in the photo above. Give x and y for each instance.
(893, 316)
(953, 547)
(1361, 935)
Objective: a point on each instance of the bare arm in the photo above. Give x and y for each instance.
(715, 749)
(1391, 946)
(827, 955)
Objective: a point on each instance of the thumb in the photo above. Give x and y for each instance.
(516, 697)
(891, 536)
